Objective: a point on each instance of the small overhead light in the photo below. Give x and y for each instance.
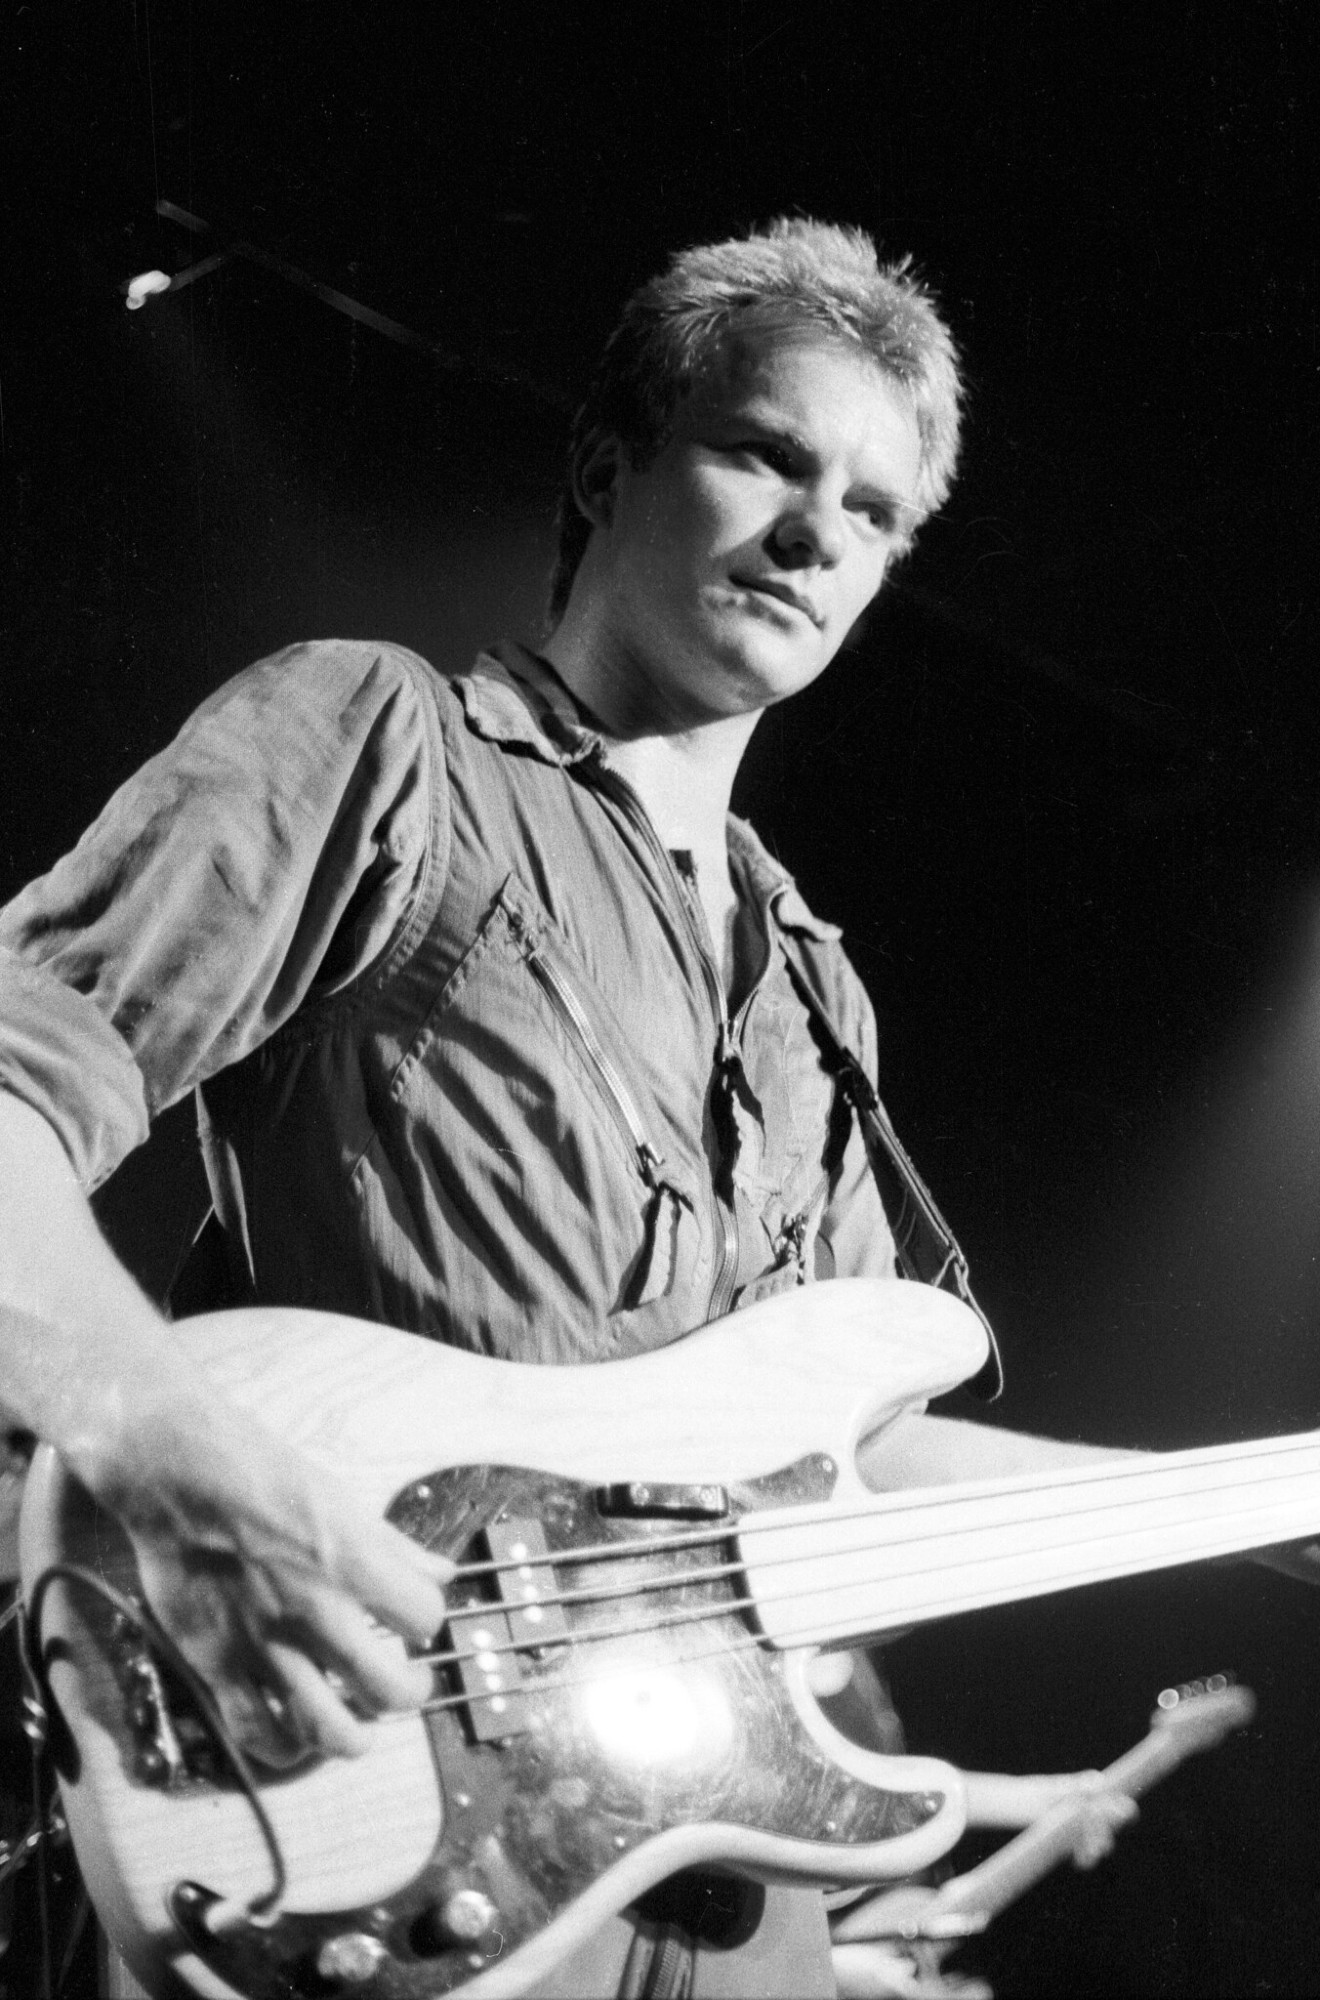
(138, 290)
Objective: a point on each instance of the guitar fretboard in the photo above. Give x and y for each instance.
(831, 1572)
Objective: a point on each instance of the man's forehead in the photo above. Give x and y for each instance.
(747, 369)
(819, 394)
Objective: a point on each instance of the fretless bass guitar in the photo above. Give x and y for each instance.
(649, 1553)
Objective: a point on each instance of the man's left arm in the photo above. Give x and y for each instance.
(922, 1450)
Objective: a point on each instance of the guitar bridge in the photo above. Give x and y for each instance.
(172, 1744)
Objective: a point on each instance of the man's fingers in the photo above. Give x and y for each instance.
(312, 1598)
(293, 1695)
(317, 1714)
(373, 1664)
(260, 1724)
(340, 1663)
(397, 1580)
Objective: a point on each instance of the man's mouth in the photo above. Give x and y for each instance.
(783, 593)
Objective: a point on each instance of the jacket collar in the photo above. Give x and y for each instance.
(513, 697)
(774, 888)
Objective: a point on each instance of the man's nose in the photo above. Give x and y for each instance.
(809, 533)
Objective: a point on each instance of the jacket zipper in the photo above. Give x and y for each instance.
(650, 1161)
(726, 1220)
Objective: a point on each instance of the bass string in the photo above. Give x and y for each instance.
(719, 1572)
(602, 1594)
(729, 1642)
(587, 1637)
(935, 1606)
(891, 1506)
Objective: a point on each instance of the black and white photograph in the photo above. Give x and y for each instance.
(659, 1001)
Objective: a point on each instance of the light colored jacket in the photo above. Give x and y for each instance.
(463, 1059)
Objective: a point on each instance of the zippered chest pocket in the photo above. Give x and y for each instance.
(666, 1201)
(537, 1194)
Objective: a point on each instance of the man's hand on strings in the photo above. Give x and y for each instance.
(293, 1603)
(266, 1574)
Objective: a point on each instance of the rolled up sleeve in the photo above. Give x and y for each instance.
(285, 830)
(60, 1055)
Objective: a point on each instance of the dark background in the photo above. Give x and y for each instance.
(1060, 791)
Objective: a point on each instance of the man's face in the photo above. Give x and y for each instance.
(741, 555)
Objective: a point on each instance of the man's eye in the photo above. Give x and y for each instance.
(773, 456)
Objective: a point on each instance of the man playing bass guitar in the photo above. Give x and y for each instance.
(502, 1031)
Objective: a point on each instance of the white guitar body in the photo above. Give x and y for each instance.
(650, 1551)
(659, 1729)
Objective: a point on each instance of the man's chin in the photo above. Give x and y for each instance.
(738, 667)
(767, 674)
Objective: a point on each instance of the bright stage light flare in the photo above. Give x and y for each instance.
(658, 1716)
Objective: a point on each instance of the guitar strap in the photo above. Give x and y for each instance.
(928, 1251)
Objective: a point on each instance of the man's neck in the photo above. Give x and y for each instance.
(682, 771)
(684, 788)
(681, 768)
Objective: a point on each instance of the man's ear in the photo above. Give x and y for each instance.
(595, 476)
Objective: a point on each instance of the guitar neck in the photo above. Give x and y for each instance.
(839, 1571)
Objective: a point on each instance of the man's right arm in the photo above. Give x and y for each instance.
(187, 925)
(264, 1576)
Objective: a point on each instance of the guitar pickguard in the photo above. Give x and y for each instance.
(643, 1703)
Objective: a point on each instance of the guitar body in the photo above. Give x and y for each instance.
(608, 1708)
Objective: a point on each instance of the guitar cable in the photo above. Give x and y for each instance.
(263, 1910)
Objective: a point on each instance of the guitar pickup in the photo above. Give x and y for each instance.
(489, 1675)
(526, 1584)
(640, 1499)
(525, 1616)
